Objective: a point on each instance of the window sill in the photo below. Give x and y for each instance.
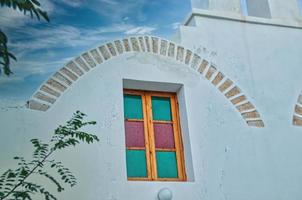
(157, 180)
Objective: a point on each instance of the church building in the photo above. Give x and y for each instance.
(212, 113)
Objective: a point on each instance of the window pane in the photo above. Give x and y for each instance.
(134, 134)
(300, 5)
(164, 137)
(244, 10)
(161, 108)
(166, 164)
(133, 107)
(136, 163)
(258, 8)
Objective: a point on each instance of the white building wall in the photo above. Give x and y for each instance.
(288, 9)
(217, 5)
(278, 9)
(225, 6)
(264, 60)
(101, 168)
(230, 160)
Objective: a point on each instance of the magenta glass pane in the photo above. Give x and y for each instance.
(164, 137)
(134, 134)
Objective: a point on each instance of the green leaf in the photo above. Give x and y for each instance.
(37, 3)
(11, 175)
(53, 180)
(44, 15)
(24, 172)
(64, 136)
(25, 6)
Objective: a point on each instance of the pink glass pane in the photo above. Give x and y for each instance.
(134, 134)
(164, 137)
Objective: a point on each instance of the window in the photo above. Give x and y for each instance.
(244, 8)
(154, 149)
(201, 4)
(256, 8)
(300, 5)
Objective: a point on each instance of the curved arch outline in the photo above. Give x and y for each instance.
(60, 81)
(297, 116)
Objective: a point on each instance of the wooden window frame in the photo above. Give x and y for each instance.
(149, 136)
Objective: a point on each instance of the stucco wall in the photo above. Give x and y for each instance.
(278, 9)
(230, 160)
(265, 61)
(101, 168)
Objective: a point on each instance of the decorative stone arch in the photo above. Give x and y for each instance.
(297, 116)
(51, 90)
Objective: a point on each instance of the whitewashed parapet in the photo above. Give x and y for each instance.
(63, 79)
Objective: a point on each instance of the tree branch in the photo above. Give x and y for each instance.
(31, 172)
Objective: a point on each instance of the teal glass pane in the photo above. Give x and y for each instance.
(136, 163)
(166, 164)
(133, 107)
(161, 108)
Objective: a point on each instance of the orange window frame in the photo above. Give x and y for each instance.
(149, 135)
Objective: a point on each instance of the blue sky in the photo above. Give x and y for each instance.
(76, 26)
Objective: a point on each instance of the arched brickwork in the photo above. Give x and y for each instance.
(297, 117)
(61, 80)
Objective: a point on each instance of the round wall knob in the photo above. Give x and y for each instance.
(165, 194)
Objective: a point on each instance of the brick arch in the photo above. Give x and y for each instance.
(297, 116)
(51, 90)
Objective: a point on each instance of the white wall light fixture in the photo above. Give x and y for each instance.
(164, 194)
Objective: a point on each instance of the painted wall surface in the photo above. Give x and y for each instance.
(101, 168)
(279, 9)
(285, 9)
(265, 62)
(226, 159)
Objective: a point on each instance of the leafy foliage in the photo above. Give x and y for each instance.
(5, 55)
(33, 7)
(15, 184)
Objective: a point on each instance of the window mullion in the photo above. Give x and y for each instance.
(177, 139)
(146, 134)
(151, 136)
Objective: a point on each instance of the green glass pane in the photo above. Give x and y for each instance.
(166, 164)
(136, 163)
(133, 107)
(161, 108)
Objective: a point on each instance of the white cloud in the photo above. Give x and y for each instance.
(45, 39)
(25, 68)
(37, 48)
(117, 10)
(73, 3)
(31, 67)
(112, 2)
(115, 28)
(176, 25)
(10, 18)
(48, 6)
(64, 36)
(126, 18)
(9, 79)
(140, 30)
